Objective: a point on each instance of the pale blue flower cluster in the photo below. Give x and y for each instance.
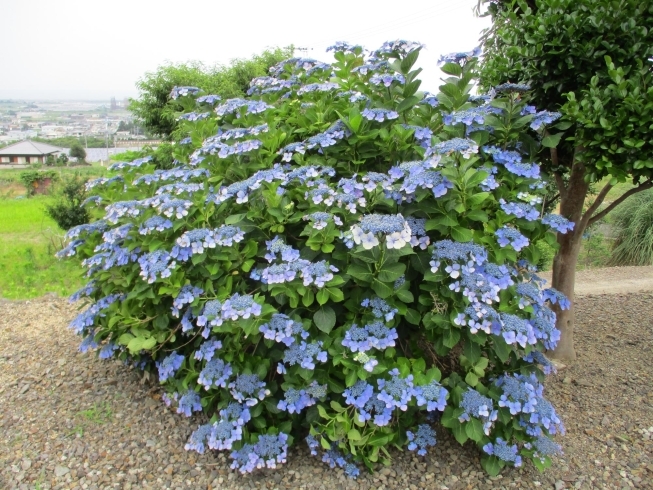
(512, 88)
(468, 117)
(317, 87)
(556, 297)
(465, 147)
(558, 223)
(510, 236)
(379, 115)
(519, 210)
(543, 118)
(233, 106)
(303, 354)
(183, 91)
(396, 392)
(342, 46)
(394, 228)
(422, 439)
(374, 335)
(460, 57)
(70, 249)
(223, 150)
(468, 254)
(478, 406)
(281, 328)
(505, 452)
(399, 47)
(240, 306)
(520, 394)
(119, 209)
(208, 99)
(103, 182)
(269, 451)
(138, 163)
(248, 389)
(154, 265)
(174, 207)
(179, 188)
(433, 395)
(156, 223)
(169, 366)
(512, 161)
(194, 116)
(237, 133)
(366, 68)
(188, 403)
(387, 79)
(187, 294)
(207, 350)
(216, 373)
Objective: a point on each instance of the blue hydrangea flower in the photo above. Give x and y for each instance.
(189, 402)
(476, 405)
(304, 354)
(208, 99)
(460, 57)
(194, 116)
(282, 328)
(108, 350)
(197, 440)
(156, 264)
(510, 236)
(537, 357)
(545, 447)
(374, 335)
(544, 117)
(207, 349)
(379, 115)
(433, 395)
(248, 389)
(519, 393)
(422, 439)
(468, 253)
(183, 91)
(216, 373)
(359, 394)
(558, 223)
(156, 223)
(344, 47)
(387, 79)
(169, 366)
(504, 452)
(186, 296)
(295, 401)
(396, 392)
(240, 306)
(269, 451)
(519, 210)
(556, 297)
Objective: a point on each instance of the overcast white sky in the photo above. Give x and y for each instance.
(87, 49)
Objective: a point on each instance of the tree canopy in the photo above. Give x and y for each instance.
(157, 113)
(591, 61)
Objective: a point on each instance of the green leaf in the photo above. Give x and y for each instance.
(234, 218)
(501, 349)
(453, 69)
(325, 319)
(336, 294)
(552, 140)
(461, 234)
(325, 444)
(491, 464)
(383, 290)
(138, 344)
(460, 434)
(354, 435)
(407, 103)
(405, 296)
(322, 296)
(360, 272)
(413, 316)
(471, 379)
(474, 429)
(391, 272)
(477, 215)
(451, 337)
(351, 378)
(308, 298)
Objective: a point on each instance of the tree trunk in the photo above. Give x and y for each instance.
(564, 263)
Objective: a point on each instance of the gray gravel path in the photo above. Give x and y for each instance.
(70, 421)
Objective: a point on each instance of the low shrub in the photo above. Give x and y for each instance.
(632, 223)
(67, 210)
(335, 258)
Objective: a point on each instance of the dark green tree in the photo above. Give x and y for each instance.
(67, 210)
(157, 113)
(77, 151)
(590, 60)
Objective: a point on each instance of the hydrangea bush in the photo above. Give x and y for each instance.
(338, 258)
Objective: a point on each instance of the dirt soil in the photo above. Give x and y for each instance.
(611, 280)
(71, 421)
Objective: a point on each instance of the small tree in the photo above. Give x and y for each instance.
(591, 61)
(68, 211)
(158, 113)
(50, 161)
(62, 160)
(78, 152)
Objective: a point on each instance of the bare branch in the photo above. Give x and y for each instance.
(641, 187)
(596, 204)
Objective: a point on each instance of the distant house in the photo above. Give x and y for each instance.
(29, 152)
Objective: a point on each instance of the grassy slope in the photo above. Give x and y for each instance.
(28, 241)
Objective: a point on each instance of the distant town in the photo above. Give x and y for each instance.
(103, 127)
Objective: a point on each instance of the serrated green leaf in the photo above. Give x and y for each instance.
(461, 234)
(474, 429)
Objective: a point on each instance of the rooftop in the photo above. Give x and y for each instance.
(30, 148)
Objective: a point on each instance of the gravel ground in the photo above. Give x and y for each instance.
(71, 421)
(612, 280)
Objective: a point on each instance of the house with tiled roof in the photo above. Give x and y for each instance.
(29, 152)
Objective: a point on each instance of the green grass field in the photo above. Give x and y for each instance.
(28, 242)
